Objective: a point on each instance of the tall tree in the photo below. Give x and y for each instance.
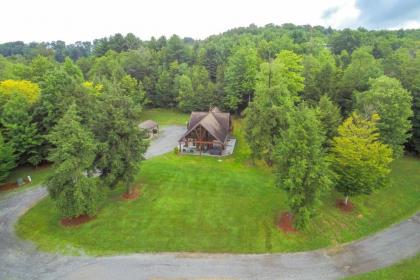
(240, 77)
(302, 167)
(122, 143)
(7, 159)
(186, 96)
(277, 87)
(71, 185)
(359, 159)
(416, 122)
(320, 73)
(404, 64)
(356, 77)
(330, 117)
(392, 102)
(20, 131)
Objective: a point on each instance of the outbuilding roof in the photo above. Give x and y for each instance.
(149, 124)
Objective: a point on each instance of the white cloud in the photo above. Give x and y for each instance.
(48, 20)
(345, 14)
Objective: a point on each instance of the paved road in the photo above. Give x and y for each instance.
(21, 260)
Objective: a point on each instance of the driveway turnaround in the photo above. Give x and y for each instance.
(20, 259)
(166, 141)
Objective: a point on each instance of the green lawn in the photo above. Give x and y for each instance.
(201, 204)
(38, 175)
(405, 270)
(165, 116)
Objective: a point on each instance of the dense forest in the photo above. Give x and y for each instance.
(49, 89)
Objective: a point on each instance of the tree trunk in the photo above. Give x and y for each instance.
(346, 200)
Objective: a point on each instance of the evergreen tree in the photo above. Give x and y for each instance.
(302, 167)
(71, 184)
(122, 143)
(359, 159)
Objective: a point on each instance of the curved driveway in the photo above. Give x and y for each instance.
(21, 260)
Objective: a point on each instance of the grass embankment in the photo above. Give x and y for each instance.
(201, 204)
(405, 270)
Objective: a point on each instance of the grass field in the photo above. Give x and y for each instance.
(201, 204)
(405, 270)
(165, 116)
(38, 175)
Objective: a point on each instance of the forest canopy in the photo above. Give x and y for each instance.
(40, 80)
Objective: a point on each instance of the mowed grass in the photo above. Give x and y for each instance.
(165, 116)
(405, 270)
(203, 204)
(38, 176)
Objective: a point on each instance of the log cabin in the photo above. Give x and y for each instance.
(206, 132)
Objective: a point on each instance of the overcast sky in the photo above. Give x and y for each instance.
(85, 20)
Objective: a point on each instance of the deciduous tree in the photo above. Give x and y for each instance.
(277, 87)
(392, 102)
(240, 75)
(7, 159)
(359, 159)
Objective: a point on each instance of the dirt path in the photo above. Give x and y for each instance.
(21, 260)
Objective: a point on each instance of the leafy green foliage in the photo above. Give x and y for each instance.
(320, 73)
(196, 91)
(360, 160)
(7, 159)
(277, 87)
(20, 131)
(240, 77)
(302, 168)
(71, 185)
(330, 117)
(122, 143)
(392, 102)
(28, 90)
(356, 77)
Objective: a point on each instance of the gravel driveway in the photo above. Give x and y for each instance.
(21, 260)
(166, 141)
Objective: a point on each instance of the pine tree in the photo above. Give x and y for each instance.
(122, 143)
(71, 185)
